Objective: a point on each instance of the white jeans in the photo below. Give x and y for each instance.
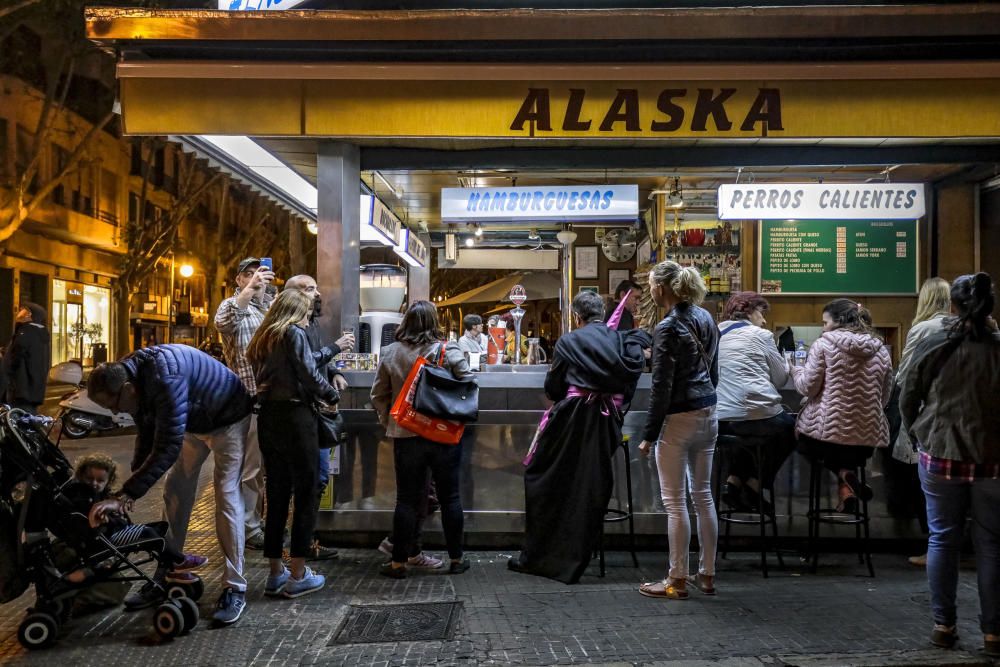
(684, 452)
(252, 484)
(181, 489)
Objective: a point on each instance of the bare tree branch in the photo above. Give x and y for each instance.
(24, 4)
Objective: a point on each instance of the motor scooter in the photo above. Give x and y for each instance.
(78, 414)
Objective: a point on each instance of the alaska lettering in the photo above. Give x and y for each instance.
(713, 109)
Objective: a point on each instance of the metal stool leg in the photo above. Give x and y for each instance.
(867, 518)
(628, 490)
(600, 547)
(760, 508)
(817, 471)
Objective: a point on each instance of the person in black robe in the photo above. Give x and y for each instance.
(568, 478)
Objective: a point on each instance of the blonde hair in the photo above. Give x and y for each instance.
(289, 308)
(99, 461)
(935, 297)
(683, 281)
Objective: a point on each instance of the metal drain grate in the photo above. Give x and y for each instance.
(399, 623)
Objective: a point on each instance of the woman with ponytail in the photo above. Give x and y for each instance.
(681, 421)
(846, 382)
(950, 407)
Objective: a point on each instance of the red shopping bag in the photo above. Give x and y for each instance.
(445, 431)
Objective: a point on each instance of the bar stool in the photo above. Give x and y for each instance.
(725, 447)
(614, 515)
(818, 515)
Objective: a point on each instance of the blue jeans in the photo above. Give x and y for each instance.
(949, 501)
(324, 470)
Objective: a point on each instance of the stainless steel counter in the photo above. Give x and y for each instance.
(511, 405)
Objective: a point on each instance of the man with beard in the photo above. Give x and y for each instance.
(568, 479)
(307, 285)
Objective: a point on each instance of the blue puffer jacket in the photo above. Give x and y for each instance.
(180, 390)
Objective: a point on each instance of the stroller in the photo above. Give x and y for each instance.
(36, 511)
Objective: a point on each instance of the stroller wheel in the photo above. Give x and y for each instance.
(37, 630)
(189, 610)
(58, 609)
(168, 621)
(193, 590)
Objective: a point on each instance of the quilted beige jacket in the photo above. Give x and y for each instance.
(846, 382)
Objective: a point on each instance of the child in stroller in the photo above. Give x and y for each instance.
(95, 473)
(37, 486)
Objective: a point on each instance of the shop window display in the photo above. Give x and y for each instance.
(81, 322)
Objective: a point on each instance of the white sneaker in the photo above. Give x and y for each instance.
(367, 503)
(386, 547)
(424, 561)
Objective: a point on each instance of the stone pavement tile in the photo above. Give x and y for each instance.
(833, 618)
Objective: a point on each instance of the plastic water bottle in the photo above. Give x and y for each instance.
(801, 352)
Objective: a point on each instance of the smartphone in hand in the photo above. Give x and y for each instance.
(265, 263)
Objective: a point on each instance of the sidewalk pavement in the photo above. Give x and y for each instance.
(836, 617)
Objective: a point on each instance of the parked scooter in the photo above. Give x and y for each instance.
(79, 415)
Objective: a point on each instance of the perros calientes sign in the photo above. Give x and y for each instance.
(821, 201)
(555, 203)
(625, 111)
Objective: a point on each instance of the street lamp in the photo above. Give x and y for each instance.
(186, 271)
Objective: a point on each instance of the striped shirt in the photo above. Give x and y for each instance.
(237, 327)
(960, 470)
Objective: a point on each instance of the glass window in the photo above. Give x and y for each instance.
(81, 322)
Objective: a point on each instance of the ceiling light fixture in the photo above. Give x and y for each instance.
(396, 193)
(469, 242)
(676, 198)
(479, 230)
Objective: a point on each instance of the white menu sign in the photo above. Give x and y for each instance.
(555, 203)
(821, 201)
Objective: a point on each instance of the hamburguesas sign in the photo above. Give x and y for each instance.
(821, 201)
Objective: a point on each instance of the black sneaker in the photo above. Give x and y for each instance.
(318, 552)
(387, 570)
(458, 567)
(149, 595)
(231, 605)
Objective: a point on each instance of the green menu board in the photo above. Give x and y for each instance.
(838, 257)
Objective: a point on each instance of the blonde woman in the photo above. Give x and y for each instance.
(288, 386)
(933, 306)
(683, 424)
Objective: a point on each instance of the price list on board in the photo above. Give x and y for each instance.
(838, 257)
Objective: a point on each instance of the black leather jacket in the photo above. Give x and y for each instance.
(291, 371)
(682, 380)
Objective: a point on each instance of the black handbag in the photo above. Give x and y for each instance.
(441, 394)
(332, 430)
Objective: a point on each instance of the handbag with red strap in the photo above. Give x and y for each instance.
(435, 429)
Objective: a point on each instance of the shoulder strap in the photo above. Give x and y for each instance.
(738, 325)
(697, 340)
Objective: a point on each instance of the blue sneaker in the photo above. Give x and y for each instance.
(275, 583)
(309, 583)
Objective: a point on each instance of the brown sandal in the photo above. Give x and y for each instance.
(698, 582)
(661, 589)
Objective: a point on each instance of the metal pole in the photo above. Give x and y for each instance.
(170, 312)
(338, 250)
(566, 289)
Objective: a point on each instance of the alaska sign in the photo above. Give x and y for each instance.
(711, 105)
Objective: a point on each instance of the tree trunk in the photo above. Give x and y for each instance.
(295, 253)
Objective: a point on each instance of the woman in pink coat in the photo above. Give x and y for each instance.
(846, 382)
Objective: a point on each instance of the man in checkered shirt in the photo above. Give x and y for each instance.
(237, 320)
